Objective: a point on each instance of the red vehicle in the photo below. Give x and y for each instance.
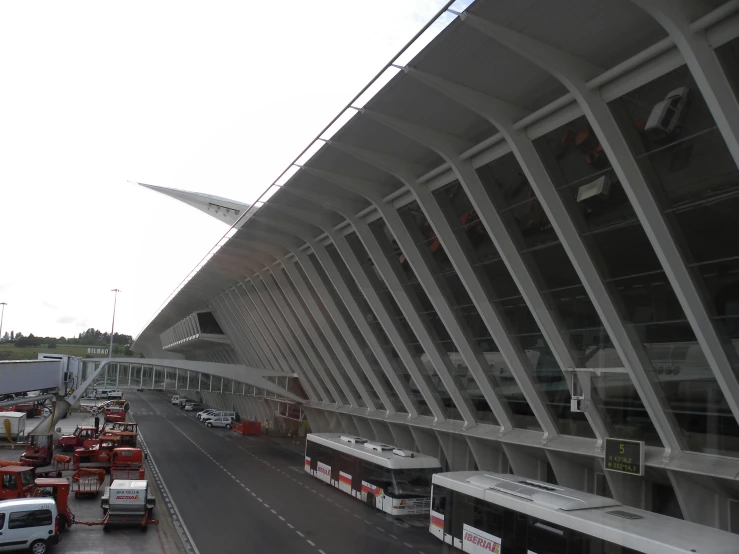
(76, 439)
(128, 463)
(115, 414)
(95, 453)
(16, 482)
(39, 450)
(58, 489)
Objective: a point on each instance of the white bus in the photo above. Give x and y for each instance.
(481, 512)
(393, 480)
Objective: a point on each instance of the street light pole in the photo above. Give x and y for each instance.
(2, 315)
(112, 327)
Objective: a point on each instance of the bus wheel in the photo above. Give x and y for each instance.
(371, 500)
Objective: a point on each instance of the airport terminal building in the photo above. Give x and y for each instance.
(520, 241)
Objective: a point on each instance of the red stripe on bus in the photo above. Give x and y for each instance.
(437, 522)
(345, 480)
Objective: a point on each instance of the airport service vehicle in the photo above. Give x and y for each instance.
(128, 502)
(39, 450)
(128, 463)
(29, 523)
(12, 424)
(124, 432)
(391, 479)
(201, 415)
(76, 439)
(176, 399)
(16, 481)
(115, 394)
(58, 490)
(491, 512)
(221, 421)
(115, 414)
(193, 406)
(87, 482)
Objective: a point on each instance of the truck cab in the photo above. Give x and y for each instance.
(76, 439)
(16, 482)
(39, 450)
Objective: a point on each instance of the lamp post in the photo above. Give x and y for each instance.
(112, 327)
(2, 315)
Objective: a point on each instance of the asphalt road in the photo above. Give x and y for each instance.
(249, 494)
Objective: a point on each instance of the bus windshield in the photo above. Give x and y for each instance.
(411, 483)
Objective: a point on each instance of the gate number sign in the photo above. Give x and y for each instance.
(624, 456)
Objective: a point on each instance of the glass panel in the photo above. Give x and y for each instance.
(693, 177)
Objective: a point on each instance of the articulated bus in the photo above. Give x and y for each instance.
(393, 480)
(482, 512)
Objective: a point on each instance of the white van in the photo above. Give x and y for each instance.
(31, 523)
(214, 415)
(101, 393)
(176, 399)
(115, 393)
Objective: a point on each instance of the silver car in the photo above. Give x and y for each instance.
(221, 421)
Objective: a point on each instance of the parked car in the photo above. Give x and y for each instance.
(184, 400)
(216, 414)
(220, 421)
(193, 406)
(176, 399)
(201, 415)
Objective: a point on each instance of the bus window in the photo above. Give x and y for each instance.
(439, 499)
(379, 476)
(412, 483)
(487, 517)
(546, 538)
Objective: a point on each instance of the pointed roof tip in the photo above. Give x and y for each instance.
(223, 209)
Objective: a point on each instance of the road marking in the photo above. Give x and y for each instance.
(282, 518)
(310, 542)
(408, 545)
(290, 526)
(393, 537)
(301, 534)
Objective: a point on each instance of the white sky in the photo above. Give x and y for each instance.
(215, 97)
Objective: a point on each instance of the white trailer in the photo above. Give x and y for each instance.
(12, 425)
(128, 502)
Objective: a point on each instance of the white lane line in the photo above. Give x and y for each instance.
(282, 518)
(273, 511)
(408, 545)
(301, 534)
(290, 526)
(310, 542)
(393, 537)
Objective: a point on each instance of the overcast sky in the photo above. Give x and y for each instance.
(215, 97)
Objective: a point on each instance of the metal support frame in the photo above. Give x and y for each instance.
(574, 73)
(331, 308)
(435, 289)
(289, 243)
(479, 288)
(235, 328)
(358, 354)
(271, 286)
(323, 361)
(502, 115)
(334, 275)
(394, 333)
(264, 324)
(677, 18)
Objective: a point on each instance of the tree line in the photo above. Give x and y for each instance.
(91, 337)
